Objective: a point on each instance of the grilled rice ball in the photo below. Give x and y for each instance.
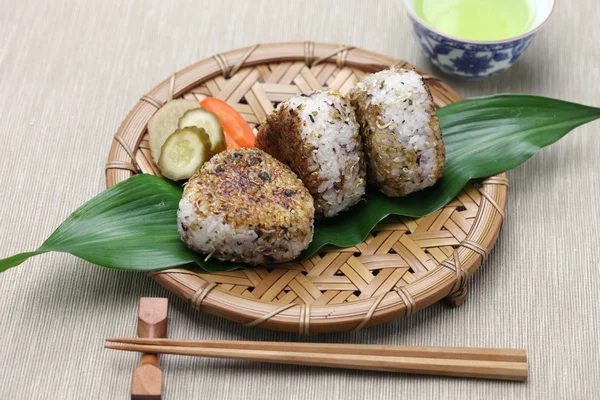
(402, 136)
(245, 206)
(317, 135)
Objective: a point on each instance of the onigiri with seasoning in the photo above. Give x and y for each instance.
(401, 132)
(245, 206)
(317, 135)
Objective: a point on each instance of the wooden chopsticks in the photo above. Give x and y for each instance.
(506, 364)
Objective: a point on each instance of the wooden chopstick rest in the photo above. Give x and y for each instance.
(147, 378)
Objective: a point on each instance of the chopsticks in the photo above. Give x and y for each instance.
(486, 363)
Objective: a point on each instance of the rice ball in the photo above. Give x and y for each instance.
(403, 141)
(317, 135)
(245, 206)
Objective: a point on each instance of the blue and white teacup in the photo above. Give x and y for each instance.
(474, 59)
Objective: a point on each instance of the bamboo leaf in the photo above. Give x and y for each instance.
(483, 136)
(133, 225)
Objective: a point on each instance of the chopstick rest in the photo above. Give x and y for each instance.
(147, 378)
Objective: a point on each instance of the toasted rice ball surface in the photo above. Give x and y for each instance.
(245, 206)
(402, 136)
(317, 135)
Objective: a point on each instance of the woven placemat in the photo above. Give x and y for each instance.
(404, 265)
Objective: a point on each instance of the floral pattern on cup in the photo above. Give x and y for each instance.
(469, 60)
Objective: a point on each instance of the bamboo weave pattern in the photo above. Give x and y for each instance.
(383, 270)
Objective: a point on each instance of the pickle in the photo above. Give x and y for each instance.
(164, 122)
(209, 122)
(184, 152)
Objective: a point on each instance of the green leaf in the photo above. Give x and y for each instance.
(133, 225)
(483, 136)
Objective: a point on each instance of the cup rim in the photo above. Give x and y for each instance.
(464, 40)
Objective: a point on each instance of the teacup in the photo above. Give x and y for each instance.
(474, 59)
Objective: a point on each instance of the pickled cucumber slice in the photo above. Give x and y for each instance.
(184, 152)
(209, 122)
(164, 122)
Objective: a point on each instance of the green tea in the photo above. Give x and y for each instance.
(478, 19)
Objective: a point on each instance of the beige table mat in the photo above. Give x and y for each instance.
(70, 71)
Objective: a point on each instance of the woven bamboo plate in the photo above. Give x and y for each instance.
(404, 265)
